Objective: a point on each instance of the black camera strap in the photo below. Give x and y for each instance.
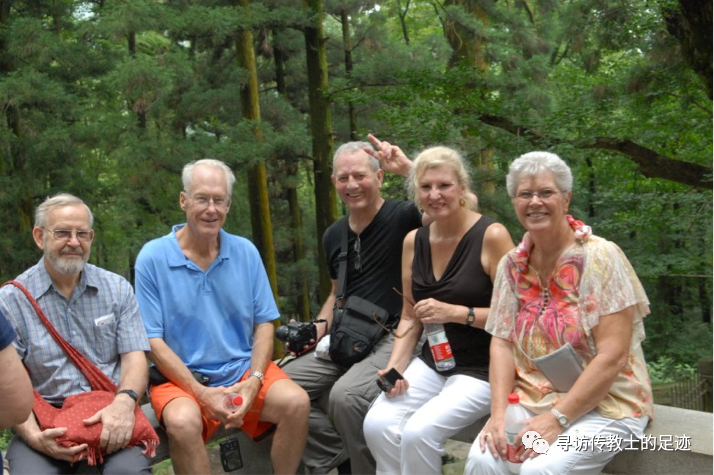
(342, 272)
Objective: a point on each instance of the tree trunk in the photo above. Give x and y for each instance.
(403, 19)
(347, 42)
(14, 165)
(257, 175)
(468, 50)
(303, 297)
(692, 26)
(322, 139)
(466, 45)
(592, 190)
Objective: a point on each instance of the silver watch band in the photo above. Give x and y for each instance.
(258, 375)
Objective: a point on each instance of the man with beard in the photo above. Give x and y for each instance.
(96, 312)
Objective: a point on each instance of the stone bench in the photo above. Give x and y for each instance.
(669, 421)
(256, 456)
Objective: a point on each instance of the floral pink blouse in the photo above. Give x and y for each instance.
(591, 278)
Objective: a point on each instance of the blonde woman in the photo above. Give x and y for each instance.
(447, 272)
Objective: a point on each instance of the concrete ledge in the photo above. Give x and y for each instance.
(674, 422)
(669, 421)
(256, 456)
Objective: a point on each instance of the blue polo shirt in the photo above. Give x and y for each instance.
(7, 333)
(205, 317)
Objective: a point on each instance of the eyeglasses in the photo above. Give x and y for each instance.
(358, 258)
(66, 234)
(358, 177)
(391, 330)
(543, 195)
(396, 335)
(203, 201)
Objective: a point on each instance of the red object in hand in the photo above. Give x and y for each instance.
(232, 401)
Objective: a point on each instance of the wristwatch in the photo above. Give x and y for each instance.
(258, 375)
(131, 393)
(560, 417)
(470, 318)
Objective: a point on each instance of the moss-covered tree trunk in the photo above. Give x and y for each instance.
(303, 297)
(321, 130)
(257, 174)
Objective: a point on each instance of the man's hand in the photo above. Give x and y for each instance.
(44, 442)
(211, 399)
(117, 423)
(320, 330)
(391, 157)
(248, 390)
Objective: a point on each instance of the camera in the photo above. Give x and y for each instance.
(297, 335)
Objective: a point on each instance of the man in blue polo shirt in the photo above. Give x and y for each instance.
(208, 308)
(15, 387)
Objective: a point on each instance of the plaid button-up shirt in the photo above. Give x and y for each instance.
(101, 320)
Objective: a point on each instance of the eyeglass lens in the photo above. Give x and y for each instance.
(66, 234)
(542, 195)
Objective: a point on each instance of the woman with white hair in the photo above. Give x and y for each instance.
(566, 321)
(447, 273)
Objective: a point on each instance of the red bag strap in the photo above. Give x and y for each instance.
(98, 380)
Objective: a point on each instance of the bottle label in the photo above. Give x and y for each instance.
(440, 347)
(512, 448)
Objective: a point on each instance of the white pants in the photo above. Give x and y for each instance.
(577, 458)
(406, 434)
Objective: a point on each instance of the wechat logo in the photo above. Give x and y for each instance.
(533, 440)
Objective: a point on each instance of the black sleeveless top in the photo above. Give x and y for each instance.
(464, 283)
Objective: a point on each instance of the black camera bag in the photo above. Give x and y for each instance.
(354, 331)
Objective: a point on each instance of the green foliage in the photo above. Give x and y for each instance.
(109, 100)
(666, 370)
(5, 438)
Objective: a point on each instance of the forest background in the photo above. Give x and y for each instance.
(108, 99)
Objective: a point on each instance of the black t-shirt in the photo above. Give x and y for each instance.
(464, 282)
(380, 252)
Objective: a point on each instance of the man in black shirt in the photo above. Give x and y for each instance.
(378, 227)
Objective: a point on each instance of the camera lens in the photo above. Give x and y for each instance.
(282, 333)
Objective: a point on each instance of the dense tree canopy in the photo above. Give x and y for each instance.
(108, 99)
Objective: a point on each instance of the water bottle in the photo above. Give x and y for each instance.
(515, 421)
(440, 347)
(232, 401)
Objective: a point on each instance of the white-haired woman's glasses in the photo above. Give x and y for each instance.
(543, 195)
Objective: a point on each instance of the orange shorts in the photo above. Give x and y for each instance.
(256, 429)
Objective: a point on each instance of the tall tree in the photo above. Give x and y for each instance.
(292, 165)
(347, 44)
(257, 174)
(322, 139)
